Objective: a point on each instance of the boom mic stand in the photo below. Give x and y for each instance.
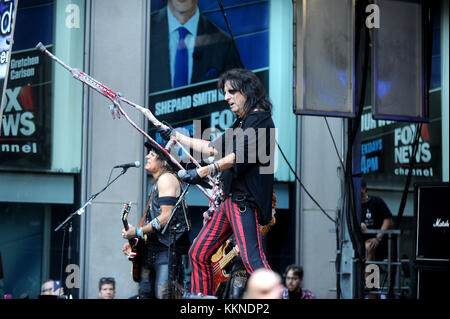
(173, 231)
(79, 211)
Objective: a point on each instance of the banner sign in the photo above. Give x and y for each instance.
(8, 11)
(387, 146)
(25, 131)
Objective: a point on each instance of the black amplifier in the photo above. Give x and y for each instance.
(431, 210)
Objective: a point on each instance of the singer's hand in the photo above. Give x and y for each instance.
(191, 176)
(166, 133)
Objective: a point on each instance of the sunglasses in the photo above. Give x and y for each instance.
(107, 279)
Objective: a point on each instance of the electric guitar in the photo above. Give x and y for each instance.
(219, 261)
(135, 256)
(264, 229)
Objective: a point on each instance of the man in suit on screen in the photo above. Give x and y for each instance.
(186, 47)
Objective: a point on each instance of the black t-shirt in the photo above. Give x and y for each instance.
(252, 172)
(295, 295)
(374, 211)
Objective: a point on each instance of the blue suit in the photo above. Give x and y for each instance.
(213, 52)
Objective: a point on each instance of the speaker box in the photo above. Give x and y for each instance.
(399, 61)
(324, 63)
(431, 210)
(432, 280)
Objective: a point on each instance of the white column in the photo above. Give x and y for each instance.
(116, 41)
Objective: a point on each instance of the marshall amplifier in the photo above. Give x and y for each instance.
(431, 211)
(432, 279)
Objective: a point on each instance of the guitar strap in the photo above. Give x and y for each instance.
(146, 208)
(188, 221)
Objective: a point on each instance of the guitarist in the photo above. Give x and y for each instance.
(155, 259)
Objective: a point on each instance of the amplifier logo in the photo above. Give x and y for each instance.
(440, 223)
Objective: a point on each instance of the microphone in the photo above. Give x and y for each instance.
(182, 173)
(128, 165)
(185, 176)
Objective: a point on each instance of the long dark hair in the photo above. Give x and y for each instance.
(166, 167)
(246, 82)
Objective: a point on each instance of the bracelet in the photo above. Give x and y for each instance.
(156, 225)
(217, 167)
(209, 169)
(213, 169)
(139, 232)
(379, 238)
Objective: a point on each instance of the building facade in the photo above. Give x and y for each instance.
(59, 142)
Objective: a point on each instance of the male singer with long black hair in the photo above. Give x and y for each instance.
(245, 162)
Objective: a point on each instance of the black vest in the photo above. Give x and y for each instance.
(180, 216)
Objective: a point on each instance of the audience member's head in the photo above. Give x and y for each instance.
(107, 288)
(294, 277)
(264, 284)
(52, 288)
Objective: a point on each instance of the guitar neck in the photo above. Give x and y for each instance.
(228, 257)
(125, 212)
(125, 224)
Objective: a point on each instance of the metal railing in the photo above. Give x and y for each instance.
(390, 261)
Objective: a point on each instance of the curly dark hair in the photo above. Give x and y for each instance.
(248, 84)
(168, 165)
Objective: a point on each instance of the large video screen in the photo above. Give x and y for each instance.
(194, 105)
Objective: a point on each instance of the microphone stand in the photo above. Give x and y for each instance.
(171, 252)
(65, 225)
(81, 210)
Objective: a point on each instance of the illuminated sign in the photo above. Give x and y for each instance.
(387, 147)
(25, 135)
(8, 11)
(26, 123)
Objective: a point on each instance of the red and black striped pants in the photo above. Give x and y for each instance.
(243, 222)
